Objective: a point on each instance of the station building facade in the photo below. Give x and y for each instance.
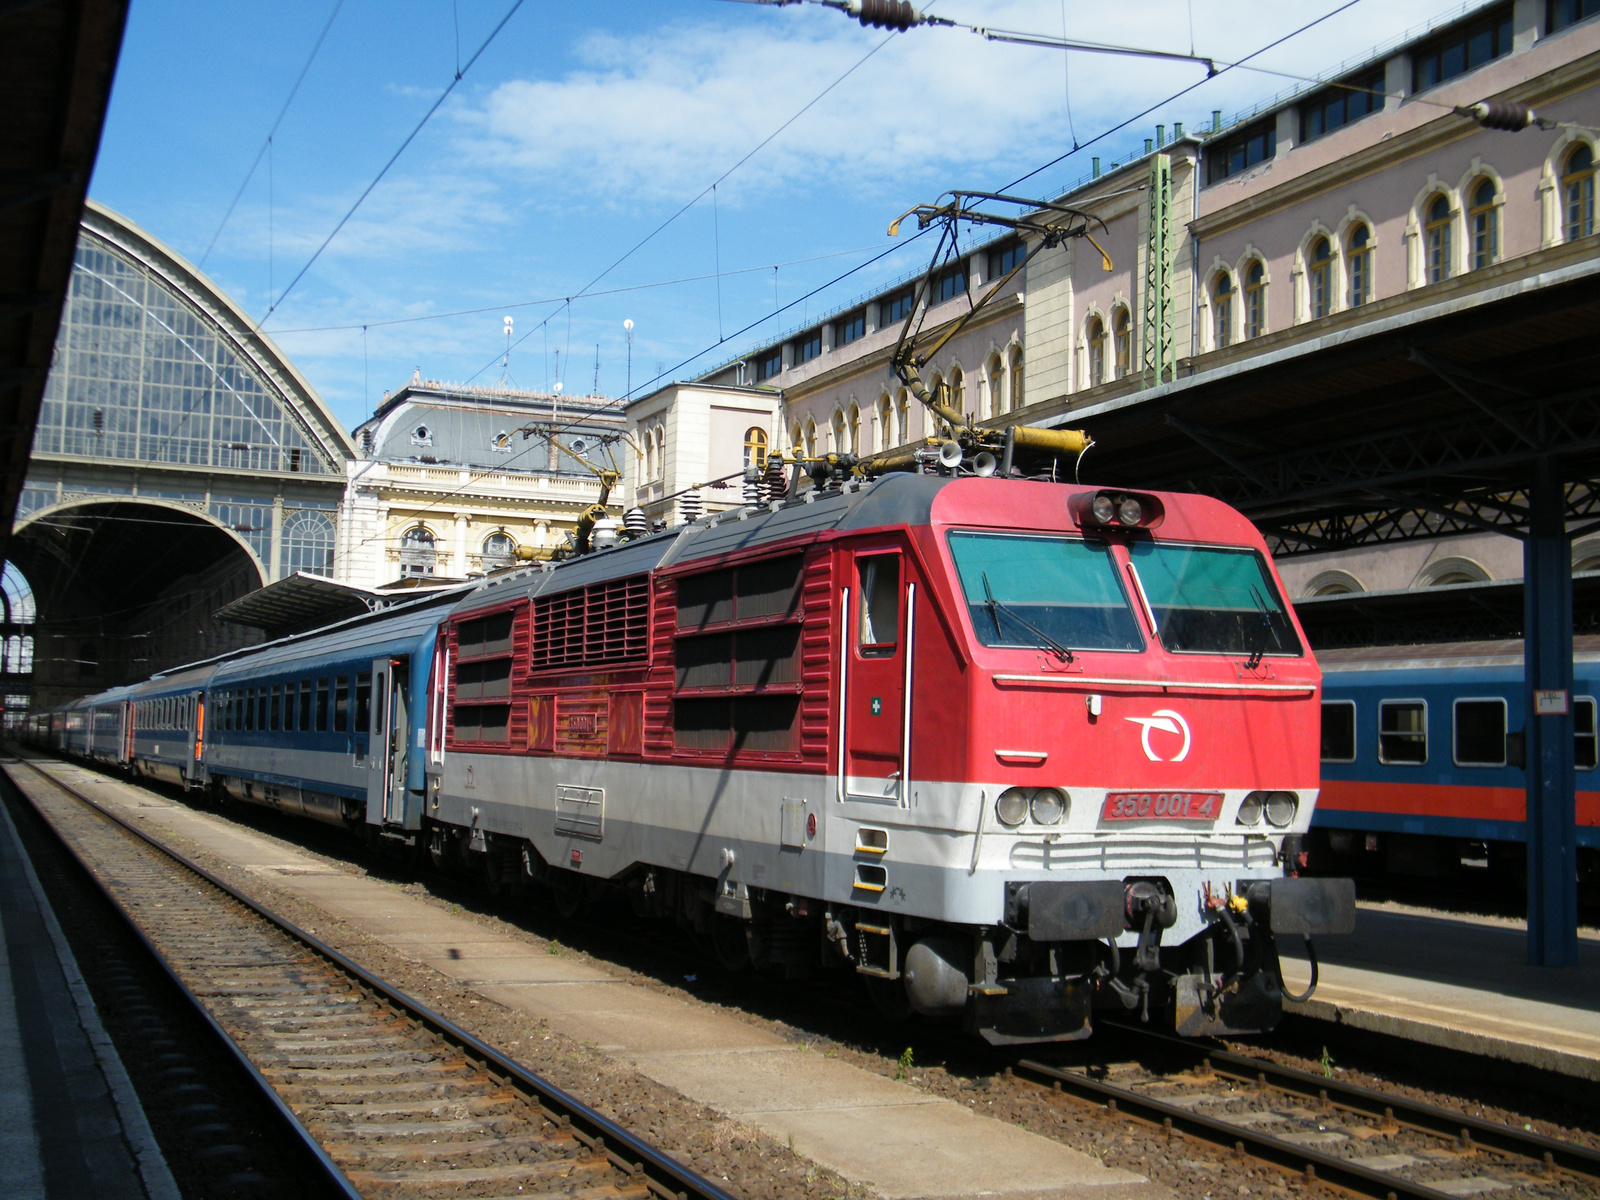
(1328, 208)
(449, 481)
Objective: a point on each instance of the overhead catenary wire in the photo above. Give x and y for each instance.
(267, 141)
(393, 158)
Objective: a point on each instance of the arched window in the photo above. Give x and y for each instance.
(958, 390)
(1319, 279)
(417, 553)
(308, 543)
(902, 418)
(798, 441)
(1017, 392)
(837, 429)
(1436, 240)
(661, 453)
(1483, 219)
(885, 422)
(499, 550)
(855, 429)
(1221, 310)
(1097, 351)
(811, 438)
(649, 454)
(996, 371)
(1577, 193)
(1255, 300)
(1359, 260)
(755, 447)
(1122, 341)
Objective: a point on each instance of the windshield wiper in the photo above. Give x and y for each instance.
(1268, 625)
(996, 607)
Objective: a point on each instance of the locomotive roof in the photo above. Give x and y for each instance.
(896, 499)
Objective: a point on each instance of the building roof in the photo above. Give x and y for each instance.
(456, 425)
(56, 66)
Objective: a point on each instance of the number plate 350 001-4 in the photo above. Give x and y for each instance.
(1162, 806)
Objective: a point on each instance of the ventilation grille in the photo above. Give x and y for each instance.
(601, 623)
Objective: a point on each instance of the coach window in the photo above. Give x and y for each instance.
(364, 701)
(305, 706)
(880, 604)
(1339, 731)
(322, 705)
(273, 712)
(1587, 749)
(1403, 732)
(1480, 727)
(341, 704)
(261, 708)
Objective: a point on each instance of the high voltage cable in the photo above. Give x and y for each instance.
(393, 158)
(288, 100)
(634, 287)
(754, 150)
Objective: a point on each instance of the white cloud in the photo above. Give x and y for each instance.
(660, 114)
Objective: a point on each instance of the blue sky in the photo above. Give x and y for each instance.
(585, 126)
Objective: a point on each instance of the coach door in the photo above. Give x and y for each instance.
(386, 786)
(875, 742)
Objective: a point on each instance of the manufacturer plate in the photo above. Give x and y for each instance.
(1162, 806)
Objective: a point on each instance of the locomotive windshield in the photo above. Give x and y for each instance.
(1032, 591)
(1212, 600)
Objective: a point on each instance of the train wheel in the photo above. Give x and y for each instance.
(888, 998)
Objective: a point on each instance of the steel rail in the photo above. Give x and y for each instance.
(332, 1174)
(1312, 1163)
(1429, 1118)
(664, 1176)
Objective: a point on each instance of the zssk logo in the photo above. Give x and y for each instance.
(1166, 721)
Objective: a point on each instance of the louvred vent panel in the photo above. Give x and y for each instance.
(602, 623)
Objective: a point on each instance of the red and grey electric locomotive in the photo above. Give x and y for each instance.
(1009, 748)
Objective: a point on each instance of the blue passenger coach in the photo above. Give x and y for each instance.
(1421, 749)
(168, 733)
(325, 726)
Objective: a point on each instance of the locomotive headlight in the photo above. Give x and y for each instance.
(1012, 805)
(1250, 808)
(1130, 511)
(1048, 806)
(1103, 509)
(1281, 808)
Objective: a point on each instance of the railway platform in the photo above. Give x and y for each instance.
(1459, 983)
(70, 1121)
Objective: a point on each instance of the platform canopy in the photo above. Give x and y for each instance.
(1423, 422)
(304, 601)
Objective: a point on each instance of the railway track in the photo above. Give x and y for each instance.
(1369, 1142)
(393, 1099)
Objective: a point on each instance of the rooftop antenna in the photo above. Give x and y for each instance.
(505, 361)
(628, 325)
(595, 389)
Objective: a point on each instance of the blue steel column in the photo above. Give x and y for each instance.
(1552, 783)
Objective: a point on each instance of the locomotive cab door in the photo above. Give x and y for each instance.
(386, 780)
(875, 737)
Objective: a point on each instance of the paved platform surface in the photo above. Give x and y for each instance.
(900, 1142)
(70, 1122)
(1460, 983)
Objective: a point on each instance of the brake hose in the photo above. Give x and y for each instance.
(1311, 956)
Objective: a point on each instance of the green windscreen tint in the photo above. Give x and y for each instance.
(1211, 600)
(1018, 588)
